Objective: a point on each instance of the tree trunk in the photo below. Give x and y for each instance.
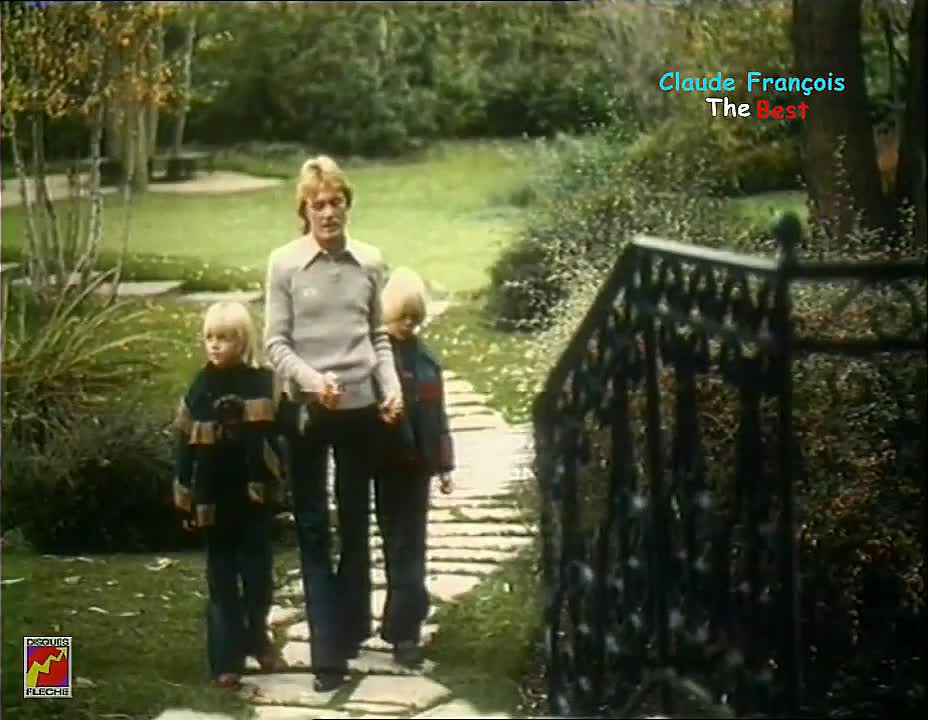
(910, 171)
(155, 59)
(839, 150)
(185, 83)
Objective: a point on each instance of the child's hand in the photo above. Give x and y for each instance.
(189, 525)
(446, 483)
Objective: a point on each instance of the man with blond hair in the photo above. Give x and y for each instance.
(324, 335)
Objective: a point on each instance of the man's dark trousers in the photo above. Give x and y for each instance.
(236, 622)
(338, 603)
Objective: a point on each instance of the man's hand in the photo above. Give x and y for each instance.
(391, 409)
(331, 393)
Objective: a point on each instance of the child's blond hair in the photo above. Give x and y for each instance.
(234, 319)
(404, 295)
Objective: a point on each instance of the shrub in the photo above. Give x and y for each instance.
(65, 357)
(100, 485)
(594, 196)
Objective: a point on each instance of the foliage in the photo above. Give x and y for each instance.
(99, 485)
(64, 359)
(76, 63)
(861, 488)
(594, 196)
(377, 79)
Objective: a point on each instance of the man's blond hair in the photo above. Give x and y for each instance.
(233, 319)
(317, 174)
(404, 295)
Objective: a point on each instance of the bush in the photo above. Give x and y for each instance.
(64, 358)
(593, 198)
(101, 485)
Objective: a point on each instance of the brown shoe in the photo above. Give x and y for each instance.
(228, 681)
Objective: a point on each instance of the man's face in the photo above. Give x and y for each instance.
(328, 215)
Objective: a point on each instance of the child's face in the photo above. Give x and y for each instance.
(403, 327)
(223, 349)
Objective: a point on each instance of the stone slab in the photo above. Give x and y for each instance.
(448, 588)
(283, 712)
(472, 423)
(241, 296)
(188, 714)
(467, 529)
(143, 289)
(456, 709)
(464, 398)
(298, 635)
(484, 514)
(283, 615)
(415, 692)
(476, 542)
(457, 385)
(484, 556)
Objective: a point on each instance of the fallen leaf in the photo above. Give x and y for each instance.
(72, 580)
(11, 581)
(112, 582)
(161, 564)
(139, 595)
(128, 613)
(84, 682)
(94, 608)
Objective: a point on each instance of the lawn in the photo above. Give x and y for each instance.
(446, 214)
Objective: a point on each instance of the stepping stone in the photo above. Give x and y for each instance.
(381, 662)
(448, 588)
(456, 709)
(485, 557)
(283, 615)
(465, 398)
(298, 635)
(458, 409)
(379, 577)
(293, 589)
(375, 694)
(456, 385)
(282, 712)
(241, 296)
(465, 529)
(488, 513)
(464, 423)
(188, 714)
(473, 503)
(479, 543)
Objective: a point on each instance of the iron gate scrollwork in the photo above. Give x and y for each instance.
(662, 569)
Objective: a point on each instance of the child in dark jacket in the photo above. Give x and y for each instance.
(227, 469)
(417, 446)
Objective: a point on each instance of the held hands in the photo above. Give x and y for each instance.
(446, 483)
(391, 409)
(331, 393)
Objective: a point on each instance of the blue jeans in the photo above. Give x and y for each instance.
(236, 620)
(338, 601)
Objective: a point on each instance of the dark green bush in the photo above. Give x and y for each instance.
(103, 484)
(765, 168)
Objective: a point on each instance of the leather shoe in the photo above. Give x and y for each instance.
(329, 680)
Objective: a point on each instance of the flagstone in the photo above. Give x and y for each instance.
(484, 421)
(457, 385)
(448, 588)
(457, 709)
(283, 615)
(477, 528)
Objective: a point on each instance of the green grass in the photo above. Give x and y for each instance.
(504, 366)
(763, 208)
(443, 214)
(138, 665)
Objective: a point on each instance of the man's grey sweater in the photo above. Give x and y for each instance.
(323, 314)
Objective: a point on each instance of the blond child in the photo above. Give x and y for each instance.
(226, 470)
(417, 446)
